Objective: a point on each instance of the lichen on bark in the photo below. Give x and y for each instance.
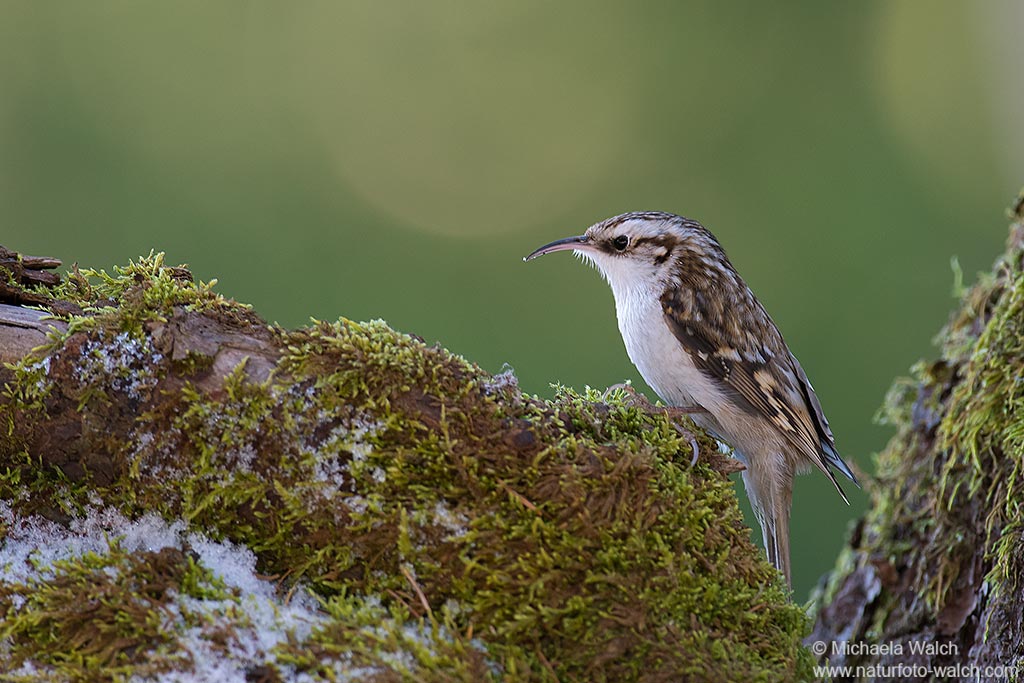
(939, 557)
(447, 525)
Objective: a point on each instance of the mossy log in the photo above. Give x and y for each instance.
(432, 522)
(931, 585)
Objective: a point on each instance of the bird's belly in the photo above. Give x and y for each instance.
(664, 363)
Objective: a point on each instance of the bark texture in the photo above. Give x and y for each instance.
(933, 576)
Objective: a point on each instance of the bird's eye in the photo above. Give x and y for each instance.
(620, 243)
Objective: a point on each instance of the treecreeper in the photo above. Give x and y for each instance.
(703, 342)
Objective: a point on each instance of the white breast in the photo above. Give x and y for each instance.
(658, 355)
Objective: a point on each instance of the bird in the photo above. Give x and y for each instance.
(704, 343)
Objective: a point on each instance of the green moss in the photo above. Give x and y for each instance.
(100, 616)
(984, 429)
(390, 644)
(486, 532)
(950, 481)
(142, 291)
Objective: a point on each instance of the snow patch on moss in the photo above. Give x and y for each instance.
(248, 612)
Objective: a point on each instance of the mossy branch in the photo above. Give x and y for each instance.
(452, 527)
(939, 558)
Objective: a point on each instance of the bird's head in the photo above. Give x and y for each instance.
(640, 249)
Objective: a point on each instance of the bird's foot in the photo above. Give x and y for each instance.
(633, 397)
(690, 439)
(638, 400)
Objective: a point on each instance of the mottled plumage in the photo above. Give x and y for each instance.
(701, 339)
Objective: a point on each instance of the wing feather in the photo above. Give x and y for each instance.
(757, 369)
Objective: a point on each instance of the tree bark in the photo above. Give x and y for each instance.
(930, 584)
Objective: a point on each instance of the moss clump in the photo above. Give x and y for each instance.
(99, 616)
(487, 533)
(938, 556)
(969, 403)
(984, 427)
(143, 291)
(389, 644)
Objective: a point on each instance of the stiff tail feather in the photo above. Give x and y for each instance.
(771, 506)
(776, 544)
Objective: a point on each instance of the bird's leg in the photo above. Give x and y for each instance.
(679, 411)
(635, 397)
(638, 400)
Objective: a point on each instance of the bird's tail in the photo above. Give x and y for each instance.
(771, 503)
(776, 544)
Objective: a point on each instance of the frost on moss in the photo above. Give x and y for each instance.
(451, 527)
(107, 597)
(939, 555)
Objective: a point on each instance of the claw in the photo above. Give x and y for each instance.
(694, 448)
(691, 440)
(638, 400)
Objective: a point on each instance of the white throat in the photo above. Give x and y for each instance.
(650, 343)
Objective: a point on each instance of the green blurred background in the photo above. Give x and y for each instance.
(397, 160)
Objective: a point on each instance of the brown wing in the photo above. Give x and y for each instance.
(753, 363)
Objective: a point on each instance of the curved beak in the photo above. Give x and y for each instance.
(577, 242)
